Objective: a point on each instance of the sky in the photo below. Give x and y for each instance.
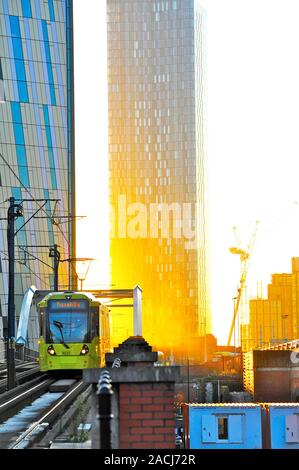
(253, 142)
(252, 91)
(91, 142)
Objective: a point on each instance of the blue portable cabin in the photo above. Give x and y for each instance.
(223, 426)
(283, 425)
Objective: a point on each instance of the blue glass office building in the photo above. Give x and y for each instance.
(36, 140)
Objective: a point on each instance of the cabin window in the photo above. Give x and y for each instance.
(222, 428)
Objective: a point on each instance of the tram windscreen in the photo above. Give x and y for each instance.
(67, 321)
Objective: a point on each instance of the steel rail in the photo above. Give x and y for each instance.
(18, 399)
(21, 377)
(3, 367)
(5, 396)
(3, 370)
(50, 415)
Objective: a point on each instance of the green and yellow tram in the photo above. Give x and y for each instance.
(75, 331)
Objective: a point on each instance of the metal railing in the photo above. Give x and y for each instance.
(105, 415)
(26, 354)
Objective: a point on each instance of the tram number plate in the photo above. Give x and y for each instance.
(66, 353)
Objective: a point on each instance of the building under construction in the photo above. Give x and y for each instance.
(274, 319)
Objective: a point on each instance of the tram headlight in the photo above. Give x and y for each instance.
(51, 350)
(84, 350)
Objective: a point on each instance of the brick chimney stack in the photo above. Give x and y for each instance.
(145, 395)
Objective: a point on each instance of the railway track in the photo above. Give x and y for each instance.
(14, 400)
(19, 367)
(34, 421)
(24, 372)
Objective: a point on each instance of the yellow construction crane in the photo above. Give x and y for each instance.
(244, 258)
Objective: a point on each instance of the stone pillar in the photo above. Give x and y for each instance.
(145, 395)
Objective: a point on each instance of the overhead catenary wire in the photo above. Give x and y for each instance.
(34, 273)
(282, 216)
(25, 250)
(28, 267)
(35, 257)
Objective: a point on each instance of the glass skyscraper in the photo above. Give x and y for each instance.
(36, 140)
(157, 166)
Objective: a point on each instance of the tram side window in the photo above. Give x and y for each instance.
(94, 323)
(41, 322)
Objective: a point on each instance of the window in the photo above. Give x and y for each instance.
(21, 154)
(94, 322)
(2, 100)
(42, 323)
(23, 175)
(67, 321)
(15, 26)
(51, 10)
(23, 92)
(217, 429)
(223, 428)
(26, 9)
(17, 48)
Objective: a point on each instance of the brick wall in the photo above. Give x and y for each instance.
(295, 384)
(144, 397)
(146, 413)
(272, 385)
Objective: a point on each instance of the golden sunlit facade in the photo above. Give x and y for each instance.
(275, 319)
(157, 168)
